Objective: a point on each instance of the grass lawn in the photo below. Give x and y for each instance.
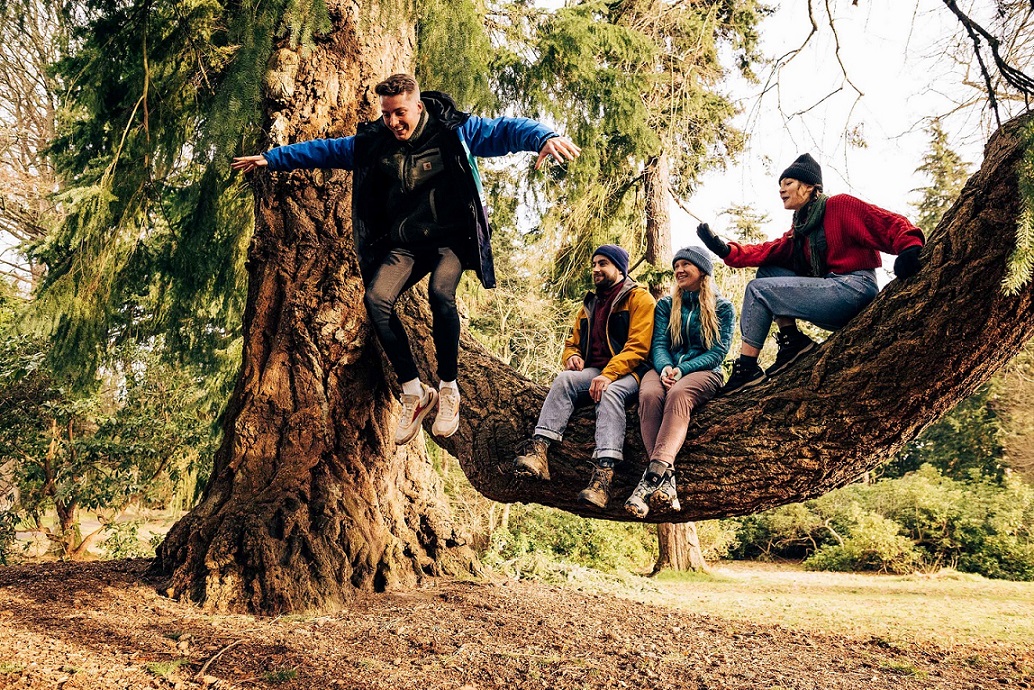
(948, 608)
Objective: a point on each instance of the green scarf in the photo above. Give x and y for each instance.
(807, 227)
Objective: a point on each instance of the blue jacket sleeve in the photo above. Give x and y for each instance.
(502, 135)
(318, 153)
(659, 352)
(714, 357)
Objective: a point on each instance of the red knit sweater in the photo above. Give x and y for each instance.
(856, 232)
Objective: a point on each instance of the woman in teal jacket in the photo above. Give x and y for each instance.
(690, 342)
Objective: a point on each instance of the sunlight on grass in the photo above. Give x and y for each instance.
(948, 608)
(688, 576)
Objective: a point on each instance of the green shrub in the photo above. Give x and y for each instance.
(791, 531)
(598, 544)
(8, 535)
(923, 520)
(717, 538)
(123, 541)
(873, 543)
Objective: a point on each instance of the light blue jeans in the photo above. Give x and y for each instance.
(828, 302)
(571, 387)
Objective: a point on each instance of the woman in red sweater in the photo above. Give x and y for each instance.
(822, 270)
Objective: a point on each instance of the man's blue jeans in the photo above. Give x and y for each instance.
(572, 386)
(828, 302)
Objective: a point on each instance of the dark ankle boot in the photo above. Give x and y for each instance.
(534, 464)
(598, 491)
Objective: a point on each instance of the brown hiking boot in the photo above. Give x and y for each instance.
(598, 491)
(534, 464)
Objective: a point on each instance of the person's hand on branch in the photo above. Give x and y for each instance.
(907, 264)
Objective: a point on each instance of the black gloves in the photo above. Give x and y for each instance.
(907, 264)
(715, 244)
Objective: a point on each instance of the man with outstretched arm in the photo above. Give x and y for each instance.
(418, 210)
(604, 361)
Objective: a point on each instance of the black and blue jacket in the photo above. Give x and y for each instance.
(474, 137)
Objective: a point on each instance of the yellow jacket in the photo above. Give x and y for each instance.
(629, 331)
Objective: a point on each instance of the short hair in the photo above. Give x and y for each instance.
(398, 84)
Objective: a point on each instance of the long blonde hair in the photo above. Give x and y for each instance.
(708, 313)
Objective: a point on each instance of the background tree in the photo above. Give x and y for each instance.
(33, 36)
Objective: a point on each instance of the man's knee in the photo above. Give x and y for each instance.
(379, 305)
(442, 301)
(616, 395)
(568, 380)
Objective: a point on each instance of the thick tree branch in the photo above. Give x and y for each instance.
(870, 388)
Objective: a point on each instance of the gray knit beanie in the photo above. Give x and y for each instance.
(696, 256)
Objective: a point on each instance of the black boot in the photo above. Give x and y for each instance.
(792, 346)
(744, 375)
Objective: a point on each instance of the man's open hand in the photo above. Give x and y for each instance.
(561, 149)
(248, 163)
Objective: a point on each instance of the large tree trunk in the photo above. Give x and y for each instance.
(658, 218)
(916, 351)
(310, 500)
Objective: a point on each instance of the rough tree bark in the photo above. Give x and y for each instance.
(310, 501)
(679, 548)
(916, 351)
(658, 219)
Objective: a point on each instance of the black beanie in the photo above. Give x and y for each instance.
(617, 256)
(805, 169)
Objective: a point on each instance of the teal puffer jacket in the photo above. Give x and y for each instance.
(692, 355)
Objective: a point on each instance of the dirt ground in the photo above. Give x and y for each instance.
(101, 625)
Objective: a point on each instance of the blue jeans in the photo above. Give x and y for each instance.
(568, 389)
(828, 302)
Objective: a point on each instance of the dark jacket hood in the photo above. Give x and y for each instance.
(444, 108)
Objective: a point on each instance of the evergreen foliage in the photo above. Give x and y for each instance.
(947, 172)
(625, 80)
(1021, 262)
(157, 99)
(142, 437)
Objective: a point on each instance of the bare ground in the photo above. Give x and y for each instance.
(101, 625)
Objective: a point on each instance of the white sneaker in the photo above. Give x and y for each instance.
(414, 409)
(447, 421)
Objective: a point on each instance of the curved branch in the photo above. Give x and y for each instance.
(916, 351)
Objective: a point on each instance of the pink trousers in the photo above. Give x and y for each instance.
(664, 414)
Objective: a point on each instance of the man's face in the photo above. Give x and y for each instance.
(604, 273)
(401, 114)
